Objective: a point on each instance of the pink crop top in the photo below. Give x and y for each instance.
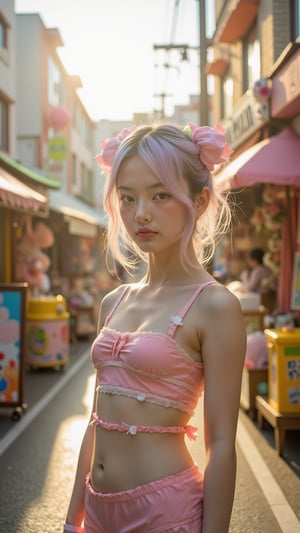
(149, 366)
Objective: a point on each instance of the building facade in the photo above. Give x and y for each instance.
(47, 143)
(23, 192)
(256, 70)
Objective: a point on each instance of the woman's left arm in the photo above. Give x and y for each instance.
(223, 351)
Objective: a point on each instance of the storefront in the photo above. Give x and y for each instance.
(23, 196)
(77, 258)
(285, 106)
(247, 126)
(270, 171)
(264, 176)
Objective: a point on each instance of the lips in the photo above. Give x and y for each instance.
(145, 233)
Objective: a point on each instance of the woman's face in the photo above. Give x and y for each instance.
(153, 218)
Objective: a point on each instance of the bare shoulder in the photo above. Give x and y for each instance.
(113, 295)
(219, 300)
(222, 331)
(222, 314)
(108, 301)
(223, 324)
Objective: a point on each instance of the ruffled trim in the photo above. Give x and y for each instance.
(190, 431)
(149, 398)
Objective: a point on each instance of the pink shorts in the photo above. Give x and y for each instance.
(172, 504)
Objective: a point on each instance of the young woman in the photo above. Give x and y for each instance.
(161, 342)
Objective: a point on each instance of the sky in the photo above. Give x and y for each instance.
(110, 45)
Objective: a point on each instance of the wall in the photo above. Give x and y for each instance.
(28, 38)
(8, 73)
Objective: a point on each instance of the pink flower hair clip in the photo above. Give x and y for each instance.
(110, 146)
(211, 143)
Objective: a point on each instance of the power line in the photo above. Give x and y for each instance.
(163, 95)
(183, 48)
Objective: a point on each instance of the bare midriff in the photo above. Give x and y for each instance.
(123, 461)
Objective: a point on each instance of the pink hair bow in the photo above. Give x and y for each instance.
(211, 143)
(110, 146)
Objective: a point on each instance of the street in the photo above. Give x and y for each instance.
(38, 457)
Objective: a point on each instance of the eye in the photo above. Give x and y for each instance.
(126, 199)
(162, 196)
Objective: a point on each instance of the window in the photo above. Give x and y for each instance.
(227, 97)
(85, 132)
(3, 40)
(3, 125)
(81, 124)
(74, 169)
(89, 186)
(87, 183)
(82, 178)
(55, 96)
(74, 114)
(251, 62)
(295, 20)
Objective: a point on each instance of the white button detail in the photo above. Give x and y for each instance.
(141, 397)
(132, 430)
(177, 320)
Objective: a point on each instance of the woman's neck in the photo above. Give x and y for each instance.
(173, 273)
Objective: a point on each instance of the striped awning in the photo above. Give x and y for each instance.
(17, 195)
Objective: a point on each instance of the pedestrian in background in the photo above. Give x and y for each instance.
(257, 277)
(161, 342)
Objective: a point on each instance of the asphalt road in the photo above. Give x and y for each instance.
(38, 457)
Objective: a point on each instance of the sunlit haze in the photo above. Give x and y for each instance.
(109, 44)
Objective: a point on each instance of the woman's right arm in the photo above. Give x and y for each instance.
(75, 514)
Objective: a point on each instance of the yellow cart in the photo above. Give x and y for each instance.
(47, 332)
(284, 369)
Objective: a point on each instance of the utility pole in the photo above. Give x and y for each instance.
(182, 48)
(162, 97)
(203, 108)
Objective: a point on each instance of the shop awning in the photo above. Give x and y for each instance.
(71, 206)
(274, 160)
(16, 195)
(217, 67)
(23, 173)
(236, 20)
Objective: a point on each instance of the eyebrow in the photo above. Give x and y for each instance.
(156, 185)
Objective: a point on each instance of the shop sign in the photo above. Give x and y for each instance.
(286, 89)
(57, 148)
(248, 117)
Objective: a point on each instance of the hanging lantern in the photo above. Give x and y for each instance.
(59, 117)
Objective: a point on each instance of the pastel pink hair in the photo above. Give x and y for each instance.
(175, 161)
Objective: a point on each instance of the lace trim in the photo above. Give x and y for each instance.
(142, 396)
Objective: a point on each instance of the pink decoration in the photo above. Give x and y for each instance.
(110, 146)
(59, 117)
(262, 90)
(211, 143)
(257, 350)
(31, 261)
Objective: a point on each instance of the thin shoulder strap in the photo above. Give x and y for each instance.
(117, 303)
(178, 319)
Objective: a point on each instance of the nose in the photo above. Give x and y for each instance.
(142, 214)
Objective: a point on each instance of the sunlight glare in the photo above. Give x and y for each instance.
(59, 476)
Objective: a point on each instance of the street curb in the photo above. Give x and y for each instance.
(282, 511)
